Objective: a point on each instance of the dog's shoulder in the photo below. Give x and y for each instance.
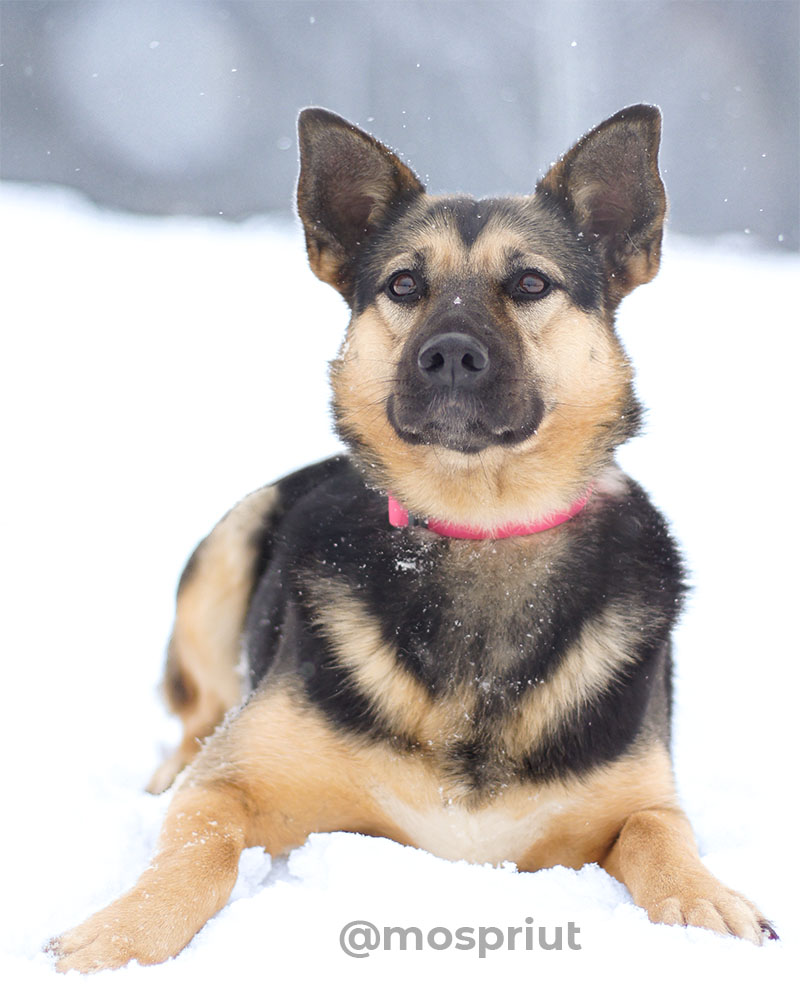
(249, 526)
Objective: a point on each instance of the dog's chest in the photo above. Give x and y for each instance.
(532, 826)
(466, 613)
(490, 834)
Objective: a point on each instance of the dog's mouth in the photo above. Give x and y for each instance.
(463, 388)
(463, 422)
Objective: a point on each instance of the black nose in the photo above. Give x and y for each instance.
(455, 360)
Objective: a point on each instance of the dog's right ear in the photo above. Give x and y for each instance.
(349, 183)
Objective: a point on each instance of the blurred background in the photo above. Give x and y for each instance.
(178, 106)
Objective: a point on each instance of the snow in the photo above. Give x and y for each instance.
(154, 371)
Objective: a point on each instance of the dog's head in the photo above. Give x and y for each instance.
(481, 380)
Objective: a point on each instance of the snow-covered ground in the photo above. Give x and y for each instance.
(153, 372)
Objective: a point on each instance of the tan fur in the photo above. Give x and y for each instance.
(327, 266)
(403, 702)
(656, 857)
(604, 648)
(579, 367)
(298, 774)
(571, 822)
(204, 651)
(439, 243)
(188, 881)
(497, 238)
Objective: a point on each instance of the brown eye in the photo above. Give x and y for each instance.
(532, 284)
(404, 285)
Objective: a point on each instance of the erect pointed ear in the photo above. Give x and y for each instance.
(349, 182)
(609, 186)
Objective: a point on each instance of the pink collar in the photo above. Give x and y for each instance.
(400, 518)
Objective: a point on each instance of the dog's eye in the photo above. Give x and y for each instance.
(404, 286)
(530, 285)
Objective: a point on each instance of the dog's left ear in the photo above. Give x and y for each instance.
(609, 186)
(349, 183)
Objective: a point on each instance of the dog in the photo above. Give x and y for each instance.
(457, 634)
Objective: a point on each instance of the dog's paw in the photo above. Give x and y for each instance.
(710, 904)
(131, 928)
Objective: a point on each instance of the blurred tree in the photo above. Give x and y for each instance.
(178, 106)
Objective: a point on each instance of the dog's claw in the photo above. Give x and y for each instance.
(768, 930)
(52, 947)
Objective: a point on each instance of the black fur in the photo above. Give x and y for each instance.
(619, 553)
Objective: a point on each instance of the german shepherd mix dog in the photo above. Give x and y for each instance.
(457, 635)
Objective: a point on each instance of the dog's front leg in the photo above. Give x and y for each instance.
(188, 881)
(269, 777)
(656, 857)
